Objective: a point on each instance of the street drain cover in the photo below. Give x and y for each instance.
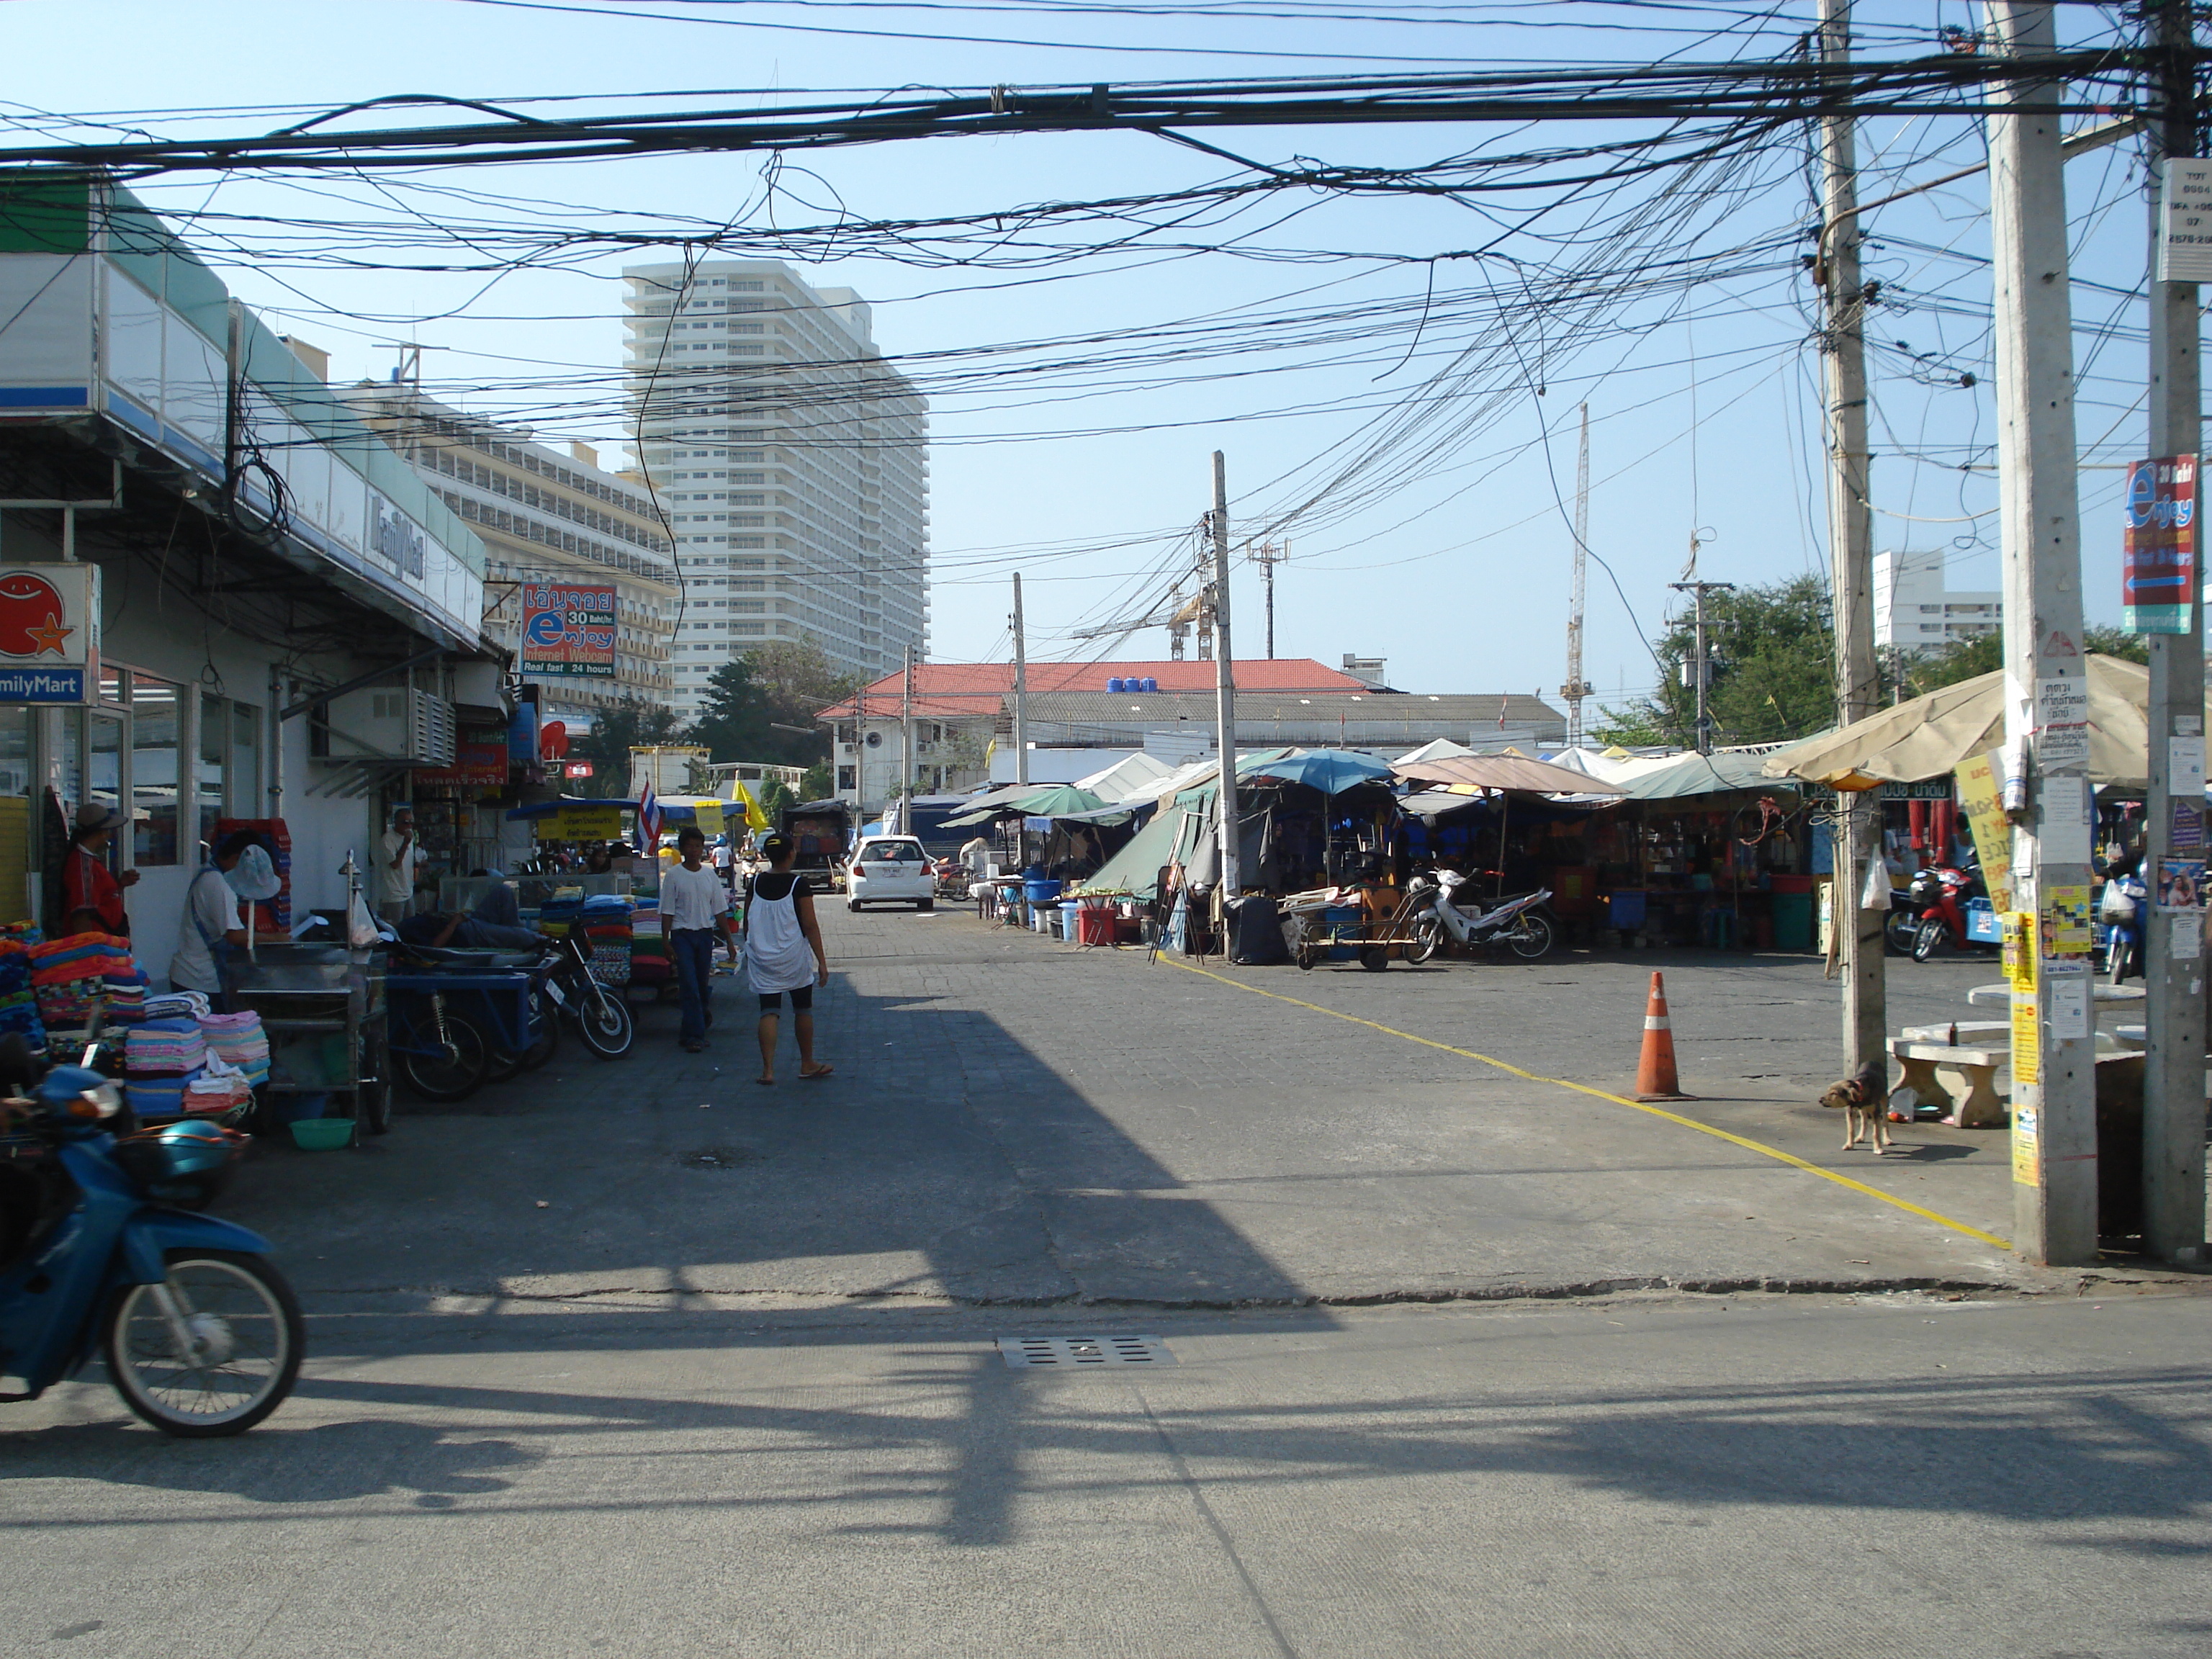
(717, 1158)
(1075, 1353)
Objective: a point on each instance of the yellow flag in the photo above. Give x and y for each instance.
(755, 818)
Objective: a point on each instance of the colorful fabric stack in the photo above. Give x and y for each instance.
(125, 997)
(66, 1010)
(213, 1092)
(19, 1008)
(608, 937)
(179, 1004)
(25, 933)
(164, 1047)
(80, 957)
(158, 1096)
(238, 1041)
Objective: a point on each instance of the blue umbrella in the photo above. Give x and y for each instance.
(1332, 771)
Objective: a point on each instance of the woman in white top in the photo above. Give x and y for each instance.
(783, 952)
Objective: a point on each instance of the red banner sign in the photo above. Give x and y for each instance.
(2158, 553)
(569, 630)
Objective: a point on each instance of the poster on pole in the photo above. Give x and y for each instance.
(2184, 220)
(1981, 790)
(569, 628)
(2158, 547)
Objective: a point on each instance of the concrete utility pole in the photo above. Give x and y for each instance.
(1851, 553)
(1021, 691)
(1700, 664)
(906, 748)
(1268, 557)
(1224, 681)
(1578, 689)
(2054, 1133)
(2173, 972)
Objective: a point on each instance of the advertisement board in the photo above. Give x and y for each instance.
(49, 633)
(479, 759)
(568, 628)
(2158, 549)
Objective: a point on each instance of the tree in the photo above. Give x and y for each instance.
(774, 796)
(1965, 660)
(761, 706)
(1773, 674)
(615, 732)
(819, 783)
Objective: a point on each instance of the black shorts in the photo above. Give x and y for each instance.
(802, 1000)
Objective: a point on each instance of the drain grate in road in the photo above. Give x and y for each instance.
(1075, 1353)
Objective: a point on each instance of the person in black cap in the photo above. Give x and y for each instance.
(783, 953)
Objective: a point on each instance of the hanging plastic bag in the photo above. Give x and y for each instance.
(1875, 894)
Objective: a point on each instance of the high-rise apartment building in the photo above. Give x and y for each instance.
(792, 463)
(546, 516)
(1914, 611)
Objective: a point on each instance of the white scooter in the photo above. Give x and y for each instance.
(1516, 921)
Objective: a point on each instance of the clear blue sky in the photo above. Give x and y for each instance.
(1452, 561)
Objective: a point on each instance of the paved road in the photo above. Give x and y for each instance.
(642, 1359)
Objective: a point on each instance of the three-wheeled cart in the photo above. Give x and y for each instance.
(1317, 925)
(323, 1007)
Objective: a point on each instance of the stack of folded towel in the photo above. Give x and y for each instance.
(164, 1047)
(239, 1041)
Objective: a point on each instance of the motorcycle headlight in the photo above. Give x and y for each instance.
(103, 1102)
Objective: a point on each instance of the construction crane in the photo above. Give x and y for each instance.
(1577, 687)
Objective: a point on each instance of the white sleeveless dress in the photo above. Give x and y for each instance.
(777, 956)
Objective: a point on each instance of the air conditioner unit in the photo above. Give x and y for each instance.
(392, 724)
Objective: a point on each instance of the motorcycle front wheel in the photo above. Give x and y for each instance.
(219, 1358)
(451, 1069)
(1421, 944)
(603, 1020)
(1531, 936)
(1928, 941)
(1899, 931)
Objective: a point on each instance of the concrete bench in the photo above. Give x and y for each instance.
(1983, 1107)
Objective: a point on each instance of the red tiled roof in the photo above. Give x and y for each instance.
(979, 685)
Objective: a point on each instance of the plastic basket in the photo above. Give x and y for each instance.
(322, 1134)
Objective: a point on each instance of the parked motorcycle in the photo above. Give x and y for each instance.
(1516, 921)
(98, 1252)
(1933, 918)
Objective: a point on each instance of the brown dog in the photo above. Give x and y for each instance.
(1860, 1097)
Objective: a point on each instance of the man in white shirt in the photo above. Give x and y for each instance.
(398, 857)
(211, 916)
(694, 909)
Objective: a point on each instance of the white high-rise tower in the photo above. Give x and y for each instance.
(793, 463)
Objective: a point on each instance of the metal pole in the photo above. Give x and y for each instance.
(1021, 691)
(2174, 973)
(1225, 682)
(1851, 552)
(1268, 560)
(906, 749)
(1705, 714)
(2054, 1129)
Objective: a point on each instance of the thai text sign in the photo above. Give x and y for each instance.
(1980, 792)
(2158, 553)
(49, 633)
(567, 629)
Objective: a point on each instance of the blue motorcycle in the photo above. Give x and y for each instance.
(98, 1253)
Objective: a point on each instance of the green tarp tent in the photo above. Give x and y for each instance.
(1136, 868)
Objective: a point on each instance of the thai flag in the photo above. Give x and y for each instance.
(648, 818)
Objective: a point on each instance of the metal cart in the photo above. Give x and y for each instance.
(1375, 940)
(323, 1007)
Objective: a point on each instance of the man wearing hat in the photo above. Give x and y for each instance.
(87, 882)
(242, 869)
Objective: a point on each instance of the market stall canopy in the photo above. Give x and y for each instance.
(1332, 771)
(1497, 772)
(1927, 736)
(1052, 800)
(1702, 774)
(1133, 778)
(1135, 869)
(1435, 748)
(1611, 766)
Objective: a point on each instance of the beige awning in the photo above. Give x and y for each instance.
(1500, 772)
(1929, 735)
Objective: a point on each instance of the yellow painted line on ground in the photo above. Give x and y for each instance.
(1749, 1144)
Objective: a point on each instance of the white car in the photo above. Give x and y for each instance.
(891, 868)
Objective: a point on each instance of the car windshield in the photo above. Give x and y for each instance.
(887, 852)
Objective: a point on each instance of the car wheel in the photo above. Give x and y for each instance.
(854, 905)
(924, 904)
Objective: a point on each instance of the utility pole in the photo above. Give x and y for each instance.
(2054, 1125)
(1577, 687)
(1021, 691)
(2173, 972)
(1702, 663)
(1851, 552)
(1224, 681)
(1268, 557)
(906, 749)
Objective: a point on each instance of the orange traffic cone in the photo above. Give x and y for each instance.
(1655, 1067)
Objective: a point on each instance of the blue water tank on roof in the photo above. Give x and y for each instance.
(1149, 683)
(1117, 684)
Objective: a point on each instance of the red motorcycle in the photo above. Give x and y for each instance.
(1933, 917)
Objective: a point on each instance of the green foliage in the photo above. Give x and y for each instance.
(1967, 659)
(1773, 672)
(774, 796)
(819, 783)
(615, 732)
(761, 706)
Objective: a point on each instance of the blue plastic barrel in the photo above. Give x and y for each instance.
(1117, 684)
(1040, 890)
